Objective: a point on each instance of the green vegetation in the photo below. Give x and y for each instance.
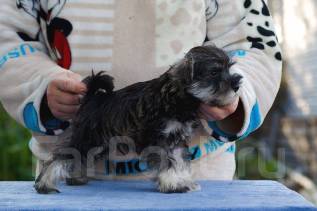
(15, 156)
(252, 165)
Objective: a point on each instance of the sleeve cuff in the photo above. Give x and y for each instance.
(251, 123)
(31, 114)
(33, 122)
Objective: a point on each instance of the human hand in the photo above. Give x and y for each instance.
(64, 94)
(214, 113)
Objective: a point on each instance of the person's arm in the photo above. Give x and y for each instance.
(25, 68)
(244, 28)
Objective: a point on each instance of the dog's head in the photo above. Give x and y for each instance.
(204, 72)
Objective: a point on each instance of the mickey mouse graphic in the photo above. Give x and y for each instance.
(53, 30)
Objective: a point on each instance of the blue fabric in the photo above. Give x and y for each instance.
(237, 53)
(56, 124)
(232, 149)
(212, 146)
(21, 51)
(140, 195)
(195, 151)
(53, 124)
(126, 167)
(255, 121)
(30, 118)
(31, 121)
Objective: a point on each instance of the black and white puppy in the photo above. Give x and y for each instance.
(159, 115)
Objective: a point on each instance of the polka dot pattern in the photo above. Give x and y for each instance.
(178, 22)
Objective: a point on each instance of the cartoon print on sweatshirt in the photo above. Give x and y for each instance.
(53, 30)
(211, 9)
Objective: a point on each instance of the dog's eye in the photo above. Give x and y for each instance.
(214, 73)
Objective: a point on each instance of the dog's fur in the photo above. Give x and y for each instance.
(159, 113)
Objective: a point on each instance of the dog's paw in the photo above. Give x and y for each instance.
(182, 187)
(76, 181)
(42, 189)
(194, 187)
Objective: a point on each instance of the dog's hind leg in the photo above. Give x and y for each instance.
(51, 173)
(176, 176)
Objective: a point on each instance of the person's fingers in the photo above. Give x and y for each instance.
(63, 116)
(73, 75)
(78, 78)
(64, 94)
(214, 113)
(205, 116)
(218, 113)
(67, 109)
(70, 85)
(231, 108)
(64, 112)
(66, 98)
(213, 116)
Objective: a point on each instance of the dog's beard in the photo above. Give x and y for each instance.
(211, 95)
(205, 94)
(223, 100)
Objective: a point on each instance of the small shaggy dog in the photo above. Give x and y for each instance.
(159, 115)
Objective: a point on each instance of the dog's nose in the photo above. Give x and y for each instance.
(235, 82)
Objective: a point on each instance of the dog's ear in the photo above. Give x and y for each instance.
(191, 67)
(188, 69)
(183, 70)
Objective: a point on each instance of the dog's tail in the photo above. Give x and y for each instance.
(99, 83)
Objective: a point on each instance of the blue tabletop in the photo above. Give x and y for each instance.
(140, 195)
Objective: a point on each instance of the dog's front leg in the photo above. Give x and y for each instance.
(176, 176)
(51, 173)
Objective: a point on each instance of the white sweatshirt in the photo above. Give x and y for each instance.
(133, 40)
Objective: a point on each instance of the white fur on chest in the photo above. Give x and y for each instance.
(174, 126)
